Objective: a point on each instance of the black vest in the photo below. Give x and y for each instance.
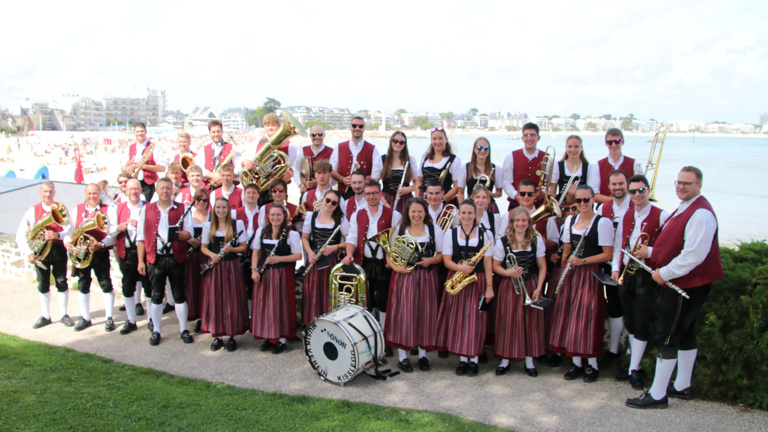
(591, 246)
(563, 180)
(283, 249)
(318, 237)
(433, 174)
(471, 182)
(392, 184)
(218, 243)
(466, 252)
(525, 259)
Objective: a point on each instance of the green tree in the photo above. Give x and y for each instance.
(575, 116)
(423, 123)
(592, 127)
(311, 123)
(626, 124)
(270, 105)
(447, 115)
(473, 111)
(401, 111)
(607, 116)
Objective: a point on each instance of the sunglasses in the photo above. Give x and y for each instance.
(318, 134)
(634, 191)
(582, 200)
(358, 126)
(397, 141)
(201, 199)
(571, 208)
(330, 201)
(278, 190)
(530, 135)
(613, 142)
(486, 148)
(525, 194)
(439, 128)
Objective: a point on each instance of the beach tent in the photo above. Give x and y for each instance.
(10, 174)
(42, 173)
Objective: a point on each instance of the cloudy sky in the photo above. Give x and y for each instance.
(668, 60)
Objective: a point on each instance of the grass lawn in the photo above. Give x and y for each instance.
(50, 388)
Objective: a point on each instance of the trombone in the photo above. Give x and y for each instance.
(651, 165)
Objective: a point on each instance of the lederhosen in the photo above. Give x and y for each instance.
(129, 262)
(170, 260)
(378, 278)
(563, 180)
(315, 294)
(99, 263)
(433, 174)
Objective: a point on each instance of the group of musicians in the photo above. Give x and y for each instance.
(525, 281)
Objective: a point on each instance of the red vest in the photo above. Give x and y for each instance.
(351, 207)
(385, 221)
(150, 177)
(311, 197)
(652, 226)
(123, 214)
(185, 195)
(525, 169)
(364, 158)
(39, 213)
(98, 235)
(151, 219)
(291, 211)
(208, 150)
(325, 154)
(235, 198)
(671, 241)
(283, 147)
(628, 166)
(242, 216)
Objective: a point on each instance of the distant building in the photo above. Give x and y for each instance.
(197, 121)
(145, 106)
(234, 118)
(335, 118)
(763, 119)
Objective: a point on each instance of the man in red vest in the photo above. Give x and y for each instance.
(162, 240)
(523, 164)
(99, 262)
(357, 201)
(355, 150)
(216, 153)
(637, 291)
(614, 140)
(322, 172)
(315, 152)
(183, 143)
(366, 223)
(687, 253)
(618, 204)
(228, 190)
(140, 150)
(123, 226)
(55, 261)
(187, 193)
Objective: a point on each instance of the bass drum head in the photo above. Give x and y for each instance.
(335, 348)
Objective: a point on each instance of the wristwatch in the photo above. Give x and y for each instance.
(584, 261)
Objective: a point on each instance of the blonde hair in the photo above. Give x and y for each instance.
(530, 233)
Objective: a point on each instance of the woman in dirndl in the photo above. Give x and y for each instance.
(460, 323)
(481, 171)
(439, 161)
(274, 299)
(318, 228)
(579, 318)
(412, 304)
(519, 327)
(225, 304)
(491, 222)
(393, 170)
(192, 280)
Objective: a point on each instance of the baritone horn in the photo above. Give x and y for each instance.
(348, 285)
(547, 166)
(658, 141)
(40, 247)
(269, 162)
(90, 231)
(446, 221)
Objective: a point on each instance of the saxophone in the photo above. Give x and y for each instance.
(460, 280)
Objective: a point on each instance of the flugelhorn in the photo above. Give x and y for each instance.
(144, 159)
(90, 231)
(658, 141)
(404, 253)
(517, 283)
(549, 208)
(186, 160)
(348, 285)
(40, 247)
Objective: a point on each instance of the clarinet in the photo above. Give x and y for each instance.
(263, 268)
(579, 250)
(309, 267)
(402, 180)
(233, 243)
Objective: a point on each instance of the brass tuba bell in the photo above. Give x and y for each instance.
(404, 253)
(269, 162)
(348, 285)
(90, 231)
(40, 247)
(548, 209)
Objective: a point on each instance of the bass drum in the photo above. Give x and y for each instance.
(343, 343)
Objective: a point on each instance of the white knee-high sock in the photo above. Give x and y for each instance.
(63, 298)
(85, 305)
(156, 313)
(592, 361)
(130, 309)
(382, 320)
(617, 326)
(577, 361)
(169, 294)
(137, 294)
(638, 349)
(422, 352)
(529, 362)
(109, 303)
(474, 359)
(464, 359)
(45, 304)
(664, 369)
(281, 340)
(181, 314)
(685, 362)
(504, 363)
(402, 355)
(629, 346)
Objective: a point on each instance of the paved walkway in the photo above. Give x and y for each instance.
(511, 401)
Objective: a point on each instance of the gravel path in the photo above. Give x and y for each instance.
(511, 401)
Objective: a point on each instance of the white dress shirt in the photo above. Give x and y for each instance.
(130, 230)
(355, 149)
(509, 172)
(162, 226)
(373, 221)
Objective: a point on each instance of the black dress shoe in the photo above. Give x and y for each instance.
(555, 360)
(442, 354)
(139, 309)
(501, 370)
(154, 340)
(109, 325)
(198, 326)
(532, 372)
(82, 324)
(278, 348)
(167, 308)
(608, 358)
(636, 381)
(121, 308)
(217, 344)
(414, 351)
(483, 358)
(462, 368)
(574, 373)
(128, 327)
(472, 370)
(623, 375)
(424, 364)
(645, 401)
(231, 345)
(67, 321)
(685, 394)
(405, 366)
(542, 358)
(266, 346)
(42, 322)
(186, 337)
(591, 375)
(388, 351)
(150, 326)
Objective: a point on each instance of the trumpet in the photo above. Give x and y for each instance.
(517, 283)
(348, 286)
(90, 231)
(40, 247)
(460, 280)
(547, 166)
(405, 252)
(658, 141)
(631, 267)
(228, 159)
(444, 174)
(446, 221)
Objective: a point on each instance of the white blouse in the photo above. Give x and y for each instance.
(448, 241)
(294, 241)
(239, 227)
(500, 254)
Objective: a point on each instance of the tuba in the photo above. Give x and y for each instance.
(460, 280)
(90, 231)
(658, 141)
(404, 253)
(545, 173)
(348, 285)
(548, 209)
(186, 161)
(446, 221)
(270, 162)
(40, 247)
